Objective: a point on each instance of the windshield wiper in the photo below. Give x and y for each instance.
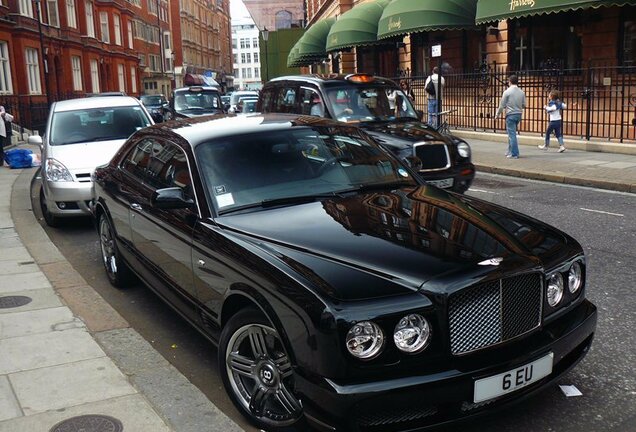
(273, 202)
(379, 186)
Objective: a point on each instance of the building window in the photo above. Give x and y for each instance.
(235, 58)
(94, 76)
(257, 72)
(283, 19)
(233, 43)
(152, 6)
(244, 43)
(117, 28)
(54, 16)
(254, 42)
(103, 21)
(5, 69)
(255, 57)
(70, 13)
(76, 66)
(133, 78)
(628, 41)
(248, 57)
(121, 77)
(249, 72)
(155, 62)
(243, 73)
(129, 25)
(33, 71)
(90, 20)
(243, 58)
(26, 8)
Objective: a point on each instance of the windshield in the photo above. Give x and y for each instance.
(237, 95)
(203, 101)
(249, 106)
(97, 124)
(152, 100)
(369, 103)
(250, 170)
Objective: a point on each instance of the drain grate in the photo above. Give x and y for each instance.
(8, 302)
(89, 423)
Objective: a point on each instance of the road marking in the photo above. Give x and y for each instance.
(603, 212)
(484, 191)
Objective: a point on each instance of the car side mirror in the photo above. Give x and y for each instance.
(413, 162)
(170, 198)
(35, 140)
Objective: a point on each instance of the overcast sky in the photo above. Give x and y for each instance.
(238, 9)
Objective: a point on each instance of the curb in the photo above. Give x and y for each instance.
(576, 181)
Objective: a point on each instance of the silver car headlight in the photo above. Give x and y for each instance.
(365, 340)
(55, 171)
(412, 334)
(575, 277)
(554, 291)
(463, 149)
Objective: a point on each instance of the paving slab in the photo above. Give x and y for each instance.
(37, 321)
(17, 266)
(69, 385)
(8, 232)
(14, 282)
(40, 299)
(9, 406)
(47, 349)
(61, 274)
(15, 253)
(133, 411)
(97, 314)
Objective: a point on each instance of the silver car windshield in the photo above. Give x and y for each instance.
(253, 170)
(202, 101)
(369, 103)
(97, 124)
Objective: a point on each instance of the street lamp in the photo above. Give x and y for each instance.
(44, 64)
(265, 35)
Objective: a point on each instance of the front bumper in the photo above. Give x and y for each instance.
(417, 402)
(68, 199)
(457, 178)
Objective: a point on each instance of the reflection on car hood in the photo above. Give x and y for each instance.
(85, 156)
(407, 239)
(401, 134)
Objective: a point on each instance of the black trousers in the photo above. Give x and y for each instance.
(2, 140)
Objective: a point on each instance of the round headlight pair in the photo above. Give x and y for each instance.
(555, 284)
(365, 339)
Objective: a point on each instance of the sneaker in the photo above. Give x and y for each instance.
(561, 149)
(543, 147)
(507, 154)
(512, 157)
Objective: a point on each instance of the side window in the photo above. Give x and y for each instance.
(267, 97)
(285, 100)
(311, 103)
(137, 160)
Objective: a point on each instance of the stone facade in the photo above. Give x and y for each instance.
(266, 12)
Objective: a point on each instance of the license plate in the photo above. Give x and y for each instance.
(444, 183)
(514, 379)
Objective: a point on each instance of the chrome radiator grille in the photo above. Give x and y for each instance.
(433, 156)
(494, 312)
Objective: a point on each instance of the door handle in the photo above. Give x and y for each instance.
(136, 207)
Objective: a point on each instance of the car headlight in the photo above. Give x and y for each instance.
(55, 171)
(554, 291)
(365, 340)
(412, 334)
(463, 149)
(575, 277)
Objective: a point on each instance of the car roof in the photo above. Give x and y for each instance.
(333, 80)
(95, 102)
(206, 128)
(206, 88)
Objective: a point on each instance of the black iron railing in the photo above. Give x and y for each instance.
(601, 100)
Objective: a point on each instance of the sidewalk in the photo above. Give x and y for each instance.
(68, 361)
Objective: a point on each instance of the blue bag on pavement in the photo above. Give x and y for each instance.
(18, 158)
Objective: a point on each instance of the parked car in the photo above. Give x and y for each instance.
(81, 134)
(246, 106)
(380, 107)
(235, 97)
(194, 101)
(341, 289)
(157, 106)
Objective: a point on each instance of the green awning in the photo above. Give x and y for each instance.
(312, 44)
(358, 26)
(413, 16)
(496, 10)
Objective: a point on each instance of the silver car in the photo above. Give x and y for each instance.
(80, 135)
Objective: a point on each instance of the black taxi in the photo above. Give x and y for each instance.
(383, 110)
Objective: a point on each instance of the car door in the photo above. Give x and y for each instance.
(163, 237)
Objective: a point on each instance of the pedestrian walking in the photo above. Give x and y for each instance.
(513, 102)
(5, 131)
(404, 85)
(432, 87)
(554, 109)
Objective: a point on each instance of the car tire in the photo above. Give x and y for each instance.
(118, 272)
(257, 373)
(50, 219)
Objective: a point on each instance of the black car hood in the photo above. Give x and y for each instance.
(392, 242)
(402, 135)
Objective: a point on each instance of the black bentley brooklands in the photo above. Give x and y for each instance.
(343, 291)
